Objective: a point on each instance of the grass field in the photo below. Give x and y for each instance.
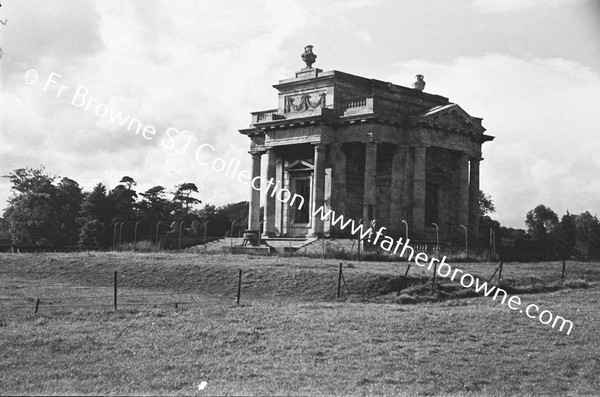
(290, 335)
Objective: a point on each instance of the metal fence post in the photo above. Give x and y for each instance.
(239, 291)
(115, 291)
(339, 281)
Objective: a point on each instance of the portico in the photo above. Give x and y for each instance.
(369, 150)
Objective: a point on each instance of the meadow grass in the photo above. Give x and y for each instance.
(301, 345)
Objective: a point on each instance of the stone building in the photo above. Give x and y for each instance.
(369, 150)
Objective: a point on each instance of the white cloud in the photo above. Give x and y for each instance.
(489, 6)
(543, 113)
(195, 66)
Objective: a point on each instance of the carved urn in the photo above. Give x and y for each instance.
(308, 56)
(420, 83)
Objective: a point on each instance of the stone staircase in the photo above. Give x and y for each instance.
(217, 245)
(331, 245)
(282, 245)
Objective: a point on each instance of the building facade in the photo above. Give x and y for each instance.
(369, 150)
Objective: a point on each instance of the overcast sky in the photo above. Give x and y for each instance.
(529, 68)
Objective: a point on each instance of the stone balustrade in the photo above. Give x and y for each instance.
(265, 115)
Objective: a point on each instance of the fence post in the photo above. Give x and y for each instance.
(499, 268)
(115, 291)
(37, 305)
(434, 272)
(339, 281)
(562, 280)
(407, 269)
(239, 292)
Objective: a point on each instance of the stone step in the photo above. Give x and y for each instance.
(282, 245)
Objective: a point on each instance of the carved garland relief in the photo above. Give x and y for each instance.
(304, 102)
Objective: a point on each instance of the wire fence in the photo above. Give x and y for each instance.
(40, 291)
(61, 288)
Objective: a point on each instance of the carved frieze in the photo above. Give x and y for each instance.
(304, 102)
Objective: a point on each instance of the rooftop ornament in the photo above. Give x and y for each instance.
(308, 56)
(420, 83)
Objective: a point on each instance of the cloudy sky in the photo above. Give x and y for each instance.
(529, 68)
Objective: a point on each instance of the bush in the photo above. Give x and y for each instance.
(140, 246)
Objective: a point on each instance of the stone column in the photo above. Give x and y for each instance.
(318, 193)
(370, 193)
(338, 180)
(463, 196)
(269, 213)
(254, 210)
(397, 191)
(474, 213)
(418, 210)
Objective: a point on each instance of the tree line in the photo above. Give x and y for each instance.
(547, 237)
(46, 210)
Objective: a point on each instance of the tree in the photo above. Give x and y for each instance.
(154, 206)
(235, 212)
(128, 181)
(183, 195)
(92, 234)
(123, 199)
(588, 233)
(541, 221)
(32, 219)
(486, 205)
(566, 235)
(96, 217)
(69, 198)
(31, 213)
(27, 180)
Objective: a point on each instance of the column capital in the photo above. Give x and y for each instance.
(257, 153)
(475, 159)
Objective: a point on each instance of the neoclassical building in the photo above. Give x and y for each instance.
(367, 149)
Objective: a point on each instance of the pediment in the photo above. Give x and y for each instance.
(451, 116)
(299, 165)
